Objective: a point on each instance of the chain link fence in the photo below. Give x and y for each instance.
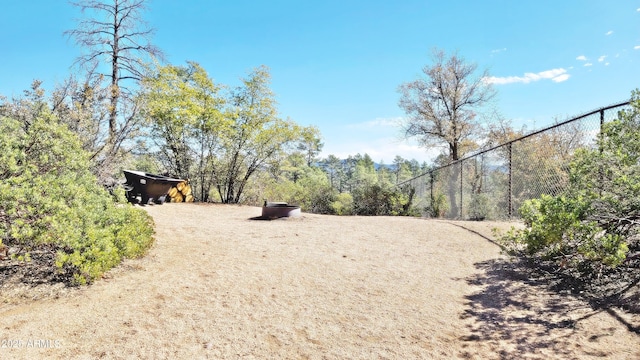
(492, 184)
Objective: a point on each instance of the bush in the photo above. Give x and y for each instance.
(479, 208)
(317, 194)
(321, 200)
(439, 205)
(376, 199)
(558, 228)
(48, 196)
(343, 205)
(594, 224)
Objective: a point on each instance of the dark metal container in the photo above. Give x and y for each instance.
(148, 187)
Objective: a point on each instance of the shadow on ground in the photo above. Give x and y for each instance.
(38, 269)
(522, 312)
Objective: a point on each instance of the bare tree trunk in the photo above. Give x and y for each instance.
(453, 183)
(121, 45)
(115, 92)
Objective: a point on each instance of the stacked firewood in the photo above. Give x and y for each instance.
(4, 251)
(181, 193)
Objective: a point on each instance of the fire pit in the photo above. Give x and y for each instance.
(276, 210)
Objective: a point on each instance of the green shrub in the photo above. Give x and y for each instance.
(343, 205)
(479, 207)
(371, 199)
(594, 224)
(376, 199)
(317, 194)
(49, 196)
(439, 205)
(321, 199)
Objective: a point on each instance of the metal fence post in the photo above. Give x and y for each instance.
(600, 170)
(460, 215)
(432, 178)
(510, 192)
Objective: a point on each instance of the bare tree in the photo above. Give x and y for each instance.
(442, 107)
(116, 40)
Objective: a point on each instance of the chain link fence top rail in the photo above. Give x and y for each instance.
(493, 183)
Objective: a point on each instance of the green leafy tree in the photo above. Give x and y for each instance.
(349, 170)
(319, 196)
(311, 144)
(415, 167)
(334, 168)
(27, 108)
(296, 183)
(256, 136)
(404, 169)
(385, 174)
(293, 166)
(343, 204)
(83, 107)
(539, 163)
(185, 112)
(365, 171)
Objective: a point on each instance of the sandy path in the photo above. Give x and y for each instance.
(219, 285)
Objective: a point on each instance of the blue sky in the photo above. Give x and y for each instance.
(338, 64)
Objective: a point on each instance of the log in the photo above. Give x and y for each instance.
(186, 190)
(189, 198)
(4, 252)
(178, 198)
(172, 192)
(181, 185)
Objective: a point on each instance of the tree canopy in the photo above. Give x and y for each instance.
(442, 108)
(256, 135)
(443, 105)
(217, 141)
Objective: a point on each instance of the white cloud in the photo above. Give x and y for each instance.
(606, 64)
(609, 32)
(555, 75)
(588, 64)
(581, 58)
(550, 74)
(638, 9)
(637, 47)
(601, 58)
(377, 123)
(561, 78)
(495, 51)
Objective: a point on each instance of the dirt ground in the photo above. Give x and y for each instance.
(219, 285)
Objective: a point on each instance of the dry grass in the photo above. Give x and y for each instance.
(219, 285)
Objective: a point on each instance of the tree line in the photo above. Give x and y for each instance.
(130, 110)
(125, 108)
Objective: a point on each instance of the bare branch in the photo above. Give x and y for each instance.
(441, 105)
(114, 36)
